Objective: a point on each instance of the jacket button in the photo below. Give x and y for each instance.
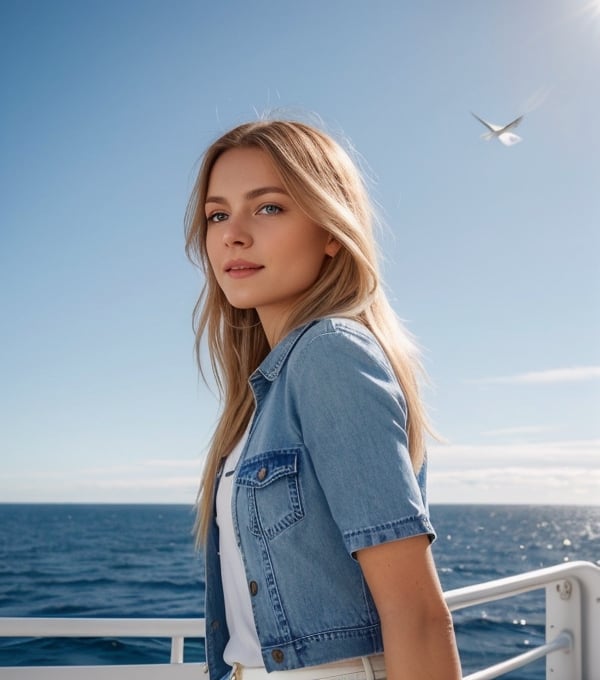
(261, 474)
(277, 655)
(215, 625)
(253, 585)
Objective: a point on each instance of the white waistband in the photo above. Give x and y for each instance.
(361, 668)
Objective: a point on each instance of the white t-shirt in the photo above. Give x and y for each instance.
(243, 646)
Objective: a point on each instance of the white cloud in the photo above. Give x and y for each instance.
(194, 463)
(155, 484)
(555, 472)
(556, 375)
(152, 481)
(521, 430)
(554, 485)
(571, 451)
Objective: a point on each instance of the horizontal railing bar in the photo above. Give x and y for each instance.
(489, 591)
(155, 671)
(563, 641)
(88, 627)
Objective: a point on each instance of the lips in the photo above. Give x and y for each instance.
(241, 269)
(241, 266)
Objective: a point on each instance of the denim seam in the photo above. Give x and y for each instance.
(386, 525)
(334, 634)
(405, 528)
(342, 330)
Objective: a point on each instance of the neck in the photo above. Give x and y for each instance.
(274, 325)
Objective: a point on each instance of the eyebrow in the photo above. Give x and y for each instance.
(254, 193)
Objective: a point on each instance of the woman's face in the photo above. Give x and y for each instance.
(264, 251)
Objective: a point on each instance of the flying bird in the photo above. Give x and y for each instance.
(501, 132)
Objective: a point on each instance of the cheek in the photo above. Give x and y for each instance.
(312, 246)
(307, 260)
(210, 245)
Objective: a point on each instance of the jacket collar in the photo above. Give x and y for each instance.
(271, 365)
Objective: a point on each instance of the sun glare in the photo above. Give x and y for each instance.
(590, 12)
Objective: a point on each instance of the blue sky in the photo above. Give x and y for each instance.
(491, 254)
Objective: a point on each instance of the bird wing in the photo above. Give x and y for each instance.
(512, 124)
(490, 126)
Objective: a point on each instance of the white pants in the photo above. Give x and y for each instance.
(361, 668)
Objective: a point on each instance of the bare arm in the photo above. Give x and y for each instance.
(418, 637)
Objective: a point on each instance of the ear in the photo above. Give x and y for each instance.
(332, 247)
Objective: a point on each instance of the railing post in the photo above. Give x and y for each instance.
(563, 613)
(177, 649)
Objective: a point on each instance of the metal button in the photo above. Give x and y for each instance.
(261, 474)
(277, 655)
(253, 585)
(215, 624)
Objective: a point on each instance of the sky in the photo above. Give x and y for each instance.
(490, 253)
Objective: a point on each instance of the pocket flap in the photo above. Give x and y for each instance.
(265, 468)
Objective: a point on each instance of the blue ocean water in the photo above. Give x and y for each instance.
(139, 561)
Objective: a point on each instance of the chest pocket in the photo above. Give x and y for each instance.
(271, 486)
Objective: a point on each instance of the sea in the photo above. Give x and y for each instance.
(139, 561)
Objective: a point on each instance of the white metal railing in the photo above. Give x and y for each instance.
(572, 619)
(563, 642)
(572, 626)
(175, 629)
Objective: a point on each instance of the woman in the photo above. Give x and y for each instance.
(312, 507)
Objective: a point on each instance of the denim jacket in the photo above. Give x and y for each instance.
(325, 472)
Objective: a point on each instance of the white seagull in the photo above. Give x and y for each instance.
(501, 132)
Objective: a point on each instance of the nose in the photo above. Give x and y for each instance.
(236, 234)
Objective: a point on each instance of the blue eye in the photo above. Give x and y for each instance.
(270, 209)
(217, 217)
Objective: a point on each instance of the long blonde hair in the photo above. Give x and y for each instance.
(320, 176)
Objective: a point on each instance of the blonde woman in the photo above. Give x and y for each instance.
(312, 509)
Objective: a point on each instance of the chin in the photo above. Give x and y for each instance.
(239, 304)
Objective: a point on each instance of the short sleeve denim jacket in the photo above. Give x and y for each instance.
(324, 473)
